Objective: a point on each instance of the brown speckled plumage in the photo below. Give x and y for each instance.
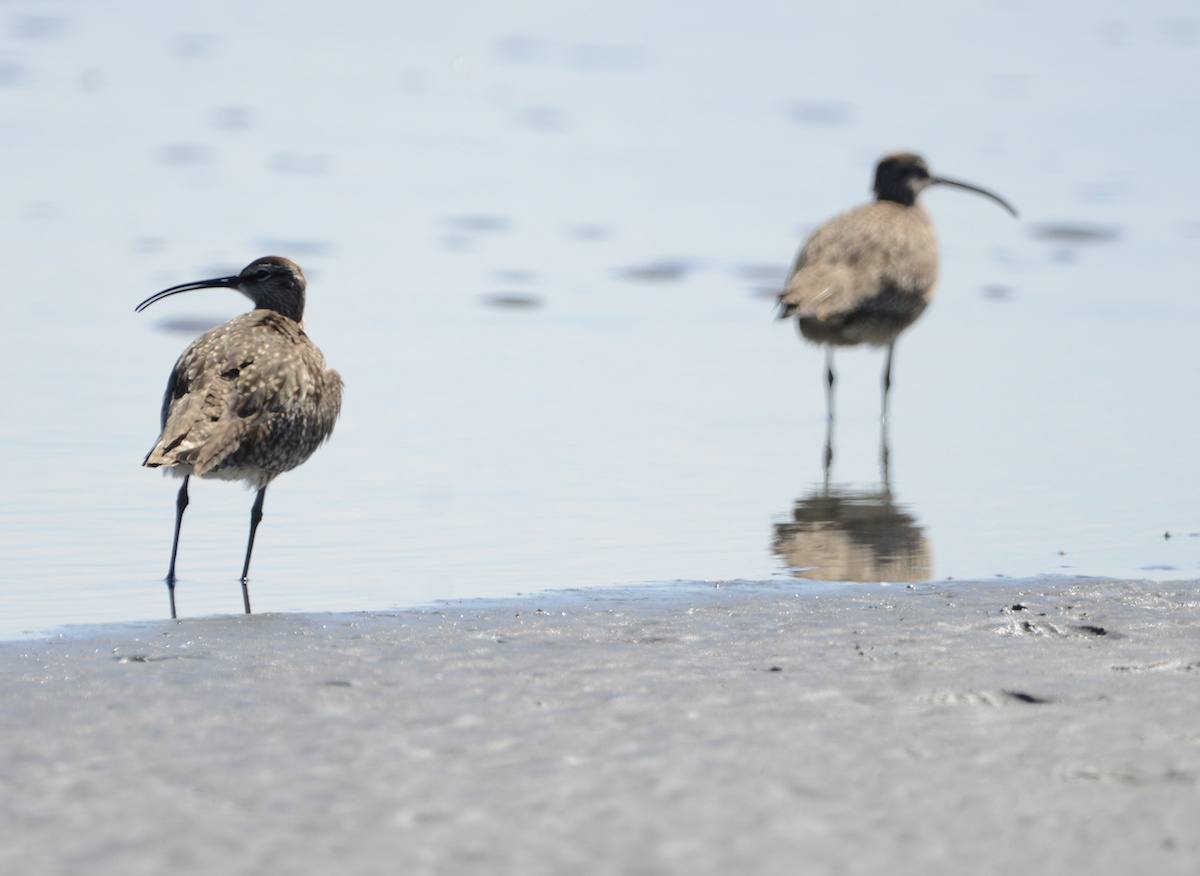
(864, 276)
(249, 399)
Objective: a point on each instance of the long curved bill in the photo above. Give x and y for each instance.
(219, 282)
(942, 181)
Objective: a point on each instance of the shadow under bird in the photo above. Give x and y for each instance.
(865, 275)
(249, 399)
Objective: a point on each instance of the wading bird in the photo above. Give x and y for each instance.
(249, 399)
(865, 275)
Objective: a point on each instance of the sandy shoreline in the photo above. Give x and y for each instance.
(753, 728)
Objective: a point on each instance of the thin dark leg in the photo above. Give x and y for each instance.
(884, 458)
(884, 451)
(255, 518)
(829, 378)
(827, 461)
(181, 502)
(887, 379)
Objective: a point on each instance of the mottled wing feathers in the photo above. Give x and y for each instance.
(879, 247)
(820, 290)
(257, 377)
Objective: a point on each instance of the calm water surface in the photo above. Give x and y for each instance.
(541, 246)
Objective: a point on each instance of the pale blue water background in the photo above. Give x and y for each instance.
(417, 160)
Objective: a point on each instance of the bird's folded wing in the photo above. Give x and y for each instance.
(226, 386)
(821, 291)
(855, 255)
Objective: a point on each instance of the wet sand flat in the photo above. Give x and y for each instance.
(1018, 727)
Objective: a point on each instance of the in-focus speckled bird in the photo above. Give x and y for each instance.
(249, 399)
(865, 275)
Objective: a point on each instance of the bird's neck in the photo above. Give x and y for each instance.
(905, 197)
(290, 306)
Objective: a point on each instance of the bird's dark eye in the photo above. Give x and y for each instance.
(262, 273)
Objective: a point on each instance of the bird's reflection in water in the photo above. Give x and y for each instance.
(838, 533)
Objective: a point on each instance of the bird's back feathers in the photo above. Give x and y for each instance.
(875, 265)
(251, 394)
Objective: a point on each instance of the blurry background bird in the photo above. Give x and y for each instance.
(865, 275)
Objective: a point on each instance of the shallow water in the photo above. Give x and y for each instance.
(541, 245)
